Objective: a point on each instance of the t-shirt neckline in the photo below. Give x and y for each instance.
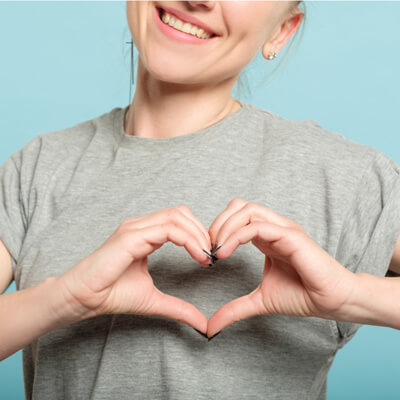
(194, 138)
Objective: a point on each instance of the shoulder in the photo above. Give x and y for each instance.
(307, 133)
(48, 150)
(56, 155)
(75, 138)
(310, 144)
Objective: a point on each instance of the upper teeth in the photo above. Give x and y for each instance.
(186, 27)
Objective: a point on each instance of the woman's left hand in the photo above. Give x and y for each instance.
(299, 277)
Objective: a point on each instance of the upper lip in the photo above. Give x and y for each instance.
(188, 18)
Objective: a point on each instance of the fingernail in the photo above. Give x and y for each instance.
(212, 337)
(217, 248)
(201, 333)
(208, 254)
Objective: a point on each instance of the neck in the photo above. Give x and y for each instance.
(162, 109)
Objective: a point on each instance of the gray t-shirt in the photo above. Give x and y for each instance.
(65, 192)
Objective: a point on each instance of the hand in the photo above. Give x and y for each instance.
(299, 277)
(115, 277)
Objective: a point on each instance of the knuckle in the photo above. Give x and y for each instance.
(237, 201)
(120, 231)
(259, 223)
(127, 221)
(168, 226)
(127, 236)
(289, 223)
(294, 226)
(301, 228)
(184, 208)
(122, 225)
(174, 213)
(251, 206)
(297, 235)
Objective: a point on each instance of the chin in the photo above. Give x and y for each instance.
(166, 68)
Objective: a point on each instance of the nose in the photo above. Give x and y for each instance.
(203, 4)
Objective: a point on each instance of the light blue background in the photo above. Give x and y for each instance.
(65, 62)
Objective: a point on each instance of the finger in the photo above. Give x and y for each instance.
(153, 236)
(105, 265)
(317, 269)
(188, 212)
(180, 216)
(178, 309)
(236, 310)
(248, 213)
(232, 207)
(257, 231)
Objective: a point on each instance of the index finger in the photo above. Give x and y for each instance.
(232, 207)
(188, 212)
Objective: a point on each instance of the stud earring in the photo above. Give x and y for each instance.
(271, 55)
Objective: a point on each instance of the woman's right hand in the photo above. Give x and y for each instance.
(114, 279)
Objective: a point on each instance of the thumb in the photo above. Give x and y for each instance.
(236, 310)
(178, 309)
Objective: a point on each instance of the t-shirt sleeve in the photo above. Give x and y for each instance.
(16, 175)
(371, 225)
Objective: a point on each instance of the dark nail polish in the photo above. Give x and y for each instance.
(201, 333)
(208, 254)
(215, 250)
(212, 337)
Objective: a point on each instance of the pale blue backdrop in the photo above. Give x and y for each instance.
(65, 62)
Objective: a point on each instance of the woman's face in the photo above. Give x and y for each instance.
(243, 28)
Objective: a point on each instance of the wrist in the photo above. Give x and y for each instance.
(64, 308)
(373, 301)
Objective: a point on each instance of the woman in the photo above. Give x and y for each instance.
(78, 230)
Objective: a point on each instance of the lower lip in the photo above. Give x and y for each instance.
(178, 35)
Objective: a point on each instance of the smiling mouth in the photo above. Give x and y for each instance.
(160, 14)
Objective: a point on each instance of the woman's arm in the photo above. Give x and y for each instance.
(375, 301)
(29, 313)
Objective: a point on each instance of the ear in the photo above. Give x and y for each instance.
(283, 32)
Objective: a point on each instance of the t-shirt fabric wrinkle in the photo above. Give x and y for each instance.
(55, 210)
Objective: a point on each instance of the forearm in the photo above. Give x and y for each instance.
(29, 313)
(375, 301)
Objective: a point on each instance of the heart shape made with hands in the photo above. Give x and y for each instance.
(299, 277)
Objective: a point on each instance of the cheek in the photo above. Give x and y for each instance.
(135, 9)
(254, 19)
(248, 22)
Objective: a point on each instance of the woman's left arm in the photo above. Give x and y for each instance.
(376, 299)
(299, 278)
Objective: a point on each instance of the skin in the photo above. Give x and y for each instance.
(197, 80)
(299, 277)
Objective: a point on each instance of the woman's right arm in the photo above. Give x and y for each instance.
(29, 313)
(114, 279)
